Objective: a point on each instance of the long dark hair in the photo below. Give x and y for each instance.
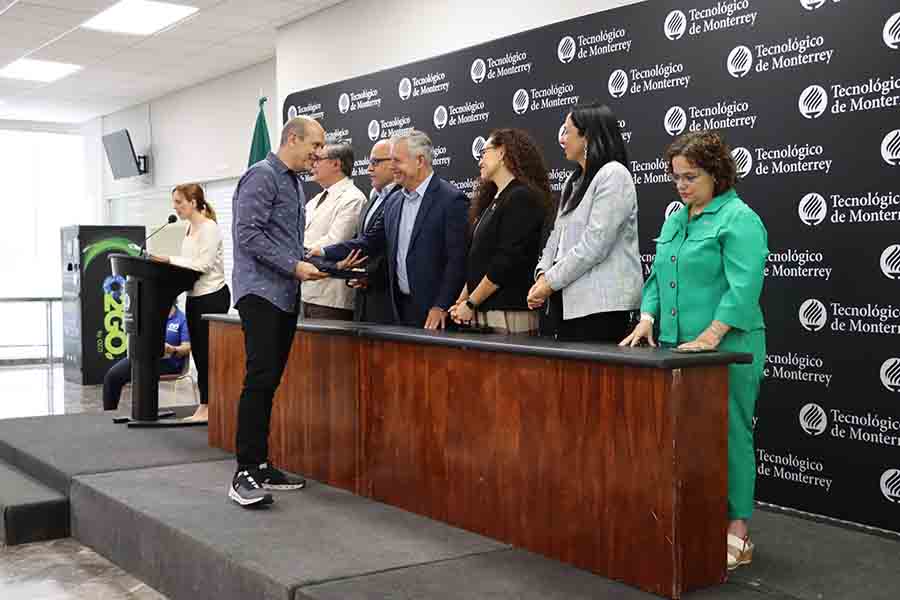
(599, 125)
(526, 163)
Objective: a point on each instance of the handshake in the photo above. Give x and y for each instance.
(315, 266)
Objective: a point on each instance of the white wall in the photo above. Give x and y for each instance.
(198, 134)
(94, 160)
(204, 132)
(332, 45)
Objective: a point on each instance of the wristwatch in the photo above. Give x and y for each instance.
(472, 306)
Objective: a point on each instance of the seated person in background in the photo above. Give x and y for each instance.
(177, 350)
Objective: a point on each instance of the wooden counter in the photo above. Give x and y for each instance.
(611, 459)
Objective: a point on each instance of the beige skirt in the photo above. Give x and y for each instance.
(509, 321)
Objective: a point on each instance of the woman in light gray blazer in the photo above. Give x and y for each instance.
(589, 277)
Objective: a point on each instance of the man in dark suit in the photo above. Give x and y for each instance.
(373, 297)
(422, 234)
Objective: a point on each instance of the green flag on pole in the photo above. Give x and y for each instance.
(261, 144)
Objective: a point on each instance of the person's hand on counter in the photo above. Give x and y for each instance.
(642, 331)
(437, 318)
(709, 339)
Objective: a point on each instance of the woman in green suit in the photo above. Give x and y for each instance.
(703, 293)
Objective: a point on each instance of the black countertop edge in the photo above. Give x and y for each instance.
(658, 358)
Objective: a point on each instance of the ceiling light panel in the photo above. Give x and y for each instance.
(37, 70)
(139, 17)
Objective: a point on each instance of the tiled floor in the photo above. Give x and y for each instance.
(25, 392)
(64, 569)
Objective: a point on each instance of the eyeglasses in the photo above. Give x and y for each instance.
(484, 151)
(377, 161)
(689, 178)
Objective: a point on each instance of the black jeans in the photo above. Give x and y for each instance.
(268, 335)
(598, 327)
(197, 306)
(118, 375)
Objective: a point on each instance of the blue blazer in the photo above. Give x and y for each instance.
(436, 260)
(373, 304)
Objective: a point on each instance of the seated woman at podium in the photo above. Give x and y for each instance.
(703, 293)
(177, 350)
(201, 250)
(511, 207)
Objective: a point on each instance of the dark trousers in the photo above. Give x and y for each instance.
(609, 327)
(406, 311)
(268, 335)
(330, 313)
(373, 306)
(120, 374)
(195, 307)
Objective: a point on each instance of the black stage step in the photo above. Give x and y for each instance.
(31, 511)
(54, 449)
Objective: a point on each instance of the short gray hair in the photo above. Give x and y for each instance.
(297, 126)
(418, 143)
(342, 152)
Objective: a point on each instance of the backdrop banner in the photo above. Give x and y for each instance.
(806, 92)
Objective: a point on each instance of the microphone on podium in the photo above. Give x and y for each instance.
(169, 221)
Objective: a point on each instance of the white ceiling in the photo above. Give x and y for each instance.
(124, 70)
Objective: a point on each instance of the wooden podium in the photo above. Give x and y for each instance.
(611, 459)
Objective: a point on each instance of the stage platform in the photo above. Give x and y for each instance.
(154, 502)
(30, 510)
(39, 456)
(54, 449)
